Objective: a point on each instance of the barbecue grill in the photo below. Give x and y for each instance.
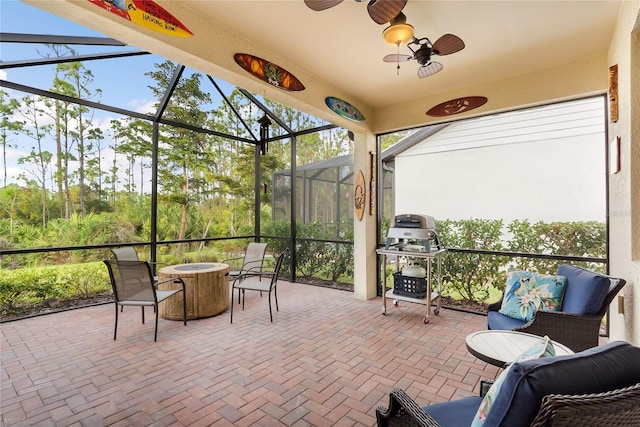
(413, 233)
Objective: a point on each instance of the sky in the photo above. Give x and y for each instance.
(12, 20)
(122, 81)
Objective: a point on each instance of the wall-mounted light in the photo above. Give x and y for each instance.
(399, 32)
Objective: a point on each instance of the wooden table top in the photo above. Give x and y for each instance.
(500, 348)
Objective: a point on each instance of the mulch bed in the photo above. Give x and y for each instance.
(55, 306)
(468, 306)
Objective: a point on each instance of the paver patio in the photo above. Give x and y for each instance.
(327, 359)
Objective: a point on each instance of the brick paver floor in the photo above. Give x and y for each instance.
(327, 359)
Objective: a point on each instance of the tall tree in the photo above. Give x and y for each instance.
(112, 177)
(182, 150)
(38, 157)
(136, 145)
(8, 126)
(94, 173)
(79, 79)
(57, 107)
(62, 114)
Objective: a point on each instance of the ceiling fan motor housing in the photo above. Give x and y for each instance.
(423, 55)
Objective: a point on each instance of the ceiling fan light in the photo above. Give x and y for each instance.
(398, 34)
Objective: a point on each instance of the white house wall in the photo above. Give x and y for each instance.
(542, 164)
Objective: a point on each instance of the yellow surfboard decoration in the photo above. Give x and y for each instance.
(146, 13)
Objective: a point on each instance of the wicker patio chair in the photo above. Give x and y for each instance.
(252, 280)
(620, 408)
(576, 331)
(133, 285)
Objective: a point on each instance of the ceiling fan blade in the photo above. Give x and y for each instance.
(319, 5)
(395, 57)
(448, 44)
(430, 69)
(383, 11)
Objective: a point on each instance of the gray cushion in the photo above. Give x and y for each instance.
(585, 292)
(599, 369)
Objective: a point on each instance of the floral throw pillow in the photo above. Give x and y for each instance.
(544, 348)
(527, 292)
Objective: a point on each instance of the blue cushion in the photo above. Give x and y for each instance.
(586, 290)
(599, 369)
(456, 413)
(543, 348)
(526, 292)
(499, 321)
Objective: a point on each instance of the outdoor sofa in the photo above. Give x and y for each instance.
(577, 320)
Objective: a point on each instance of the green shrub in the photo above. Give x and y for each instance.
(476, 277)
(29, 286)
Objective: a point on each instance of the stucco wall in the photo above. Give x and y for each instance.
(624, 186)
(541, 164)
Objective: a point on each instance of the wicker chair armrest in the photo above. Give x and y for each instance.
(494, 306)
(619, 407)
(578, 332)
(403, 411)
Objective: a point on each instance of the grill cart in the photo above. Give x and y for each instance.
(413, 237)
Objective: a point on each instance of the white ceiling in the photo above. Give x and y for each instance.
(339, 51)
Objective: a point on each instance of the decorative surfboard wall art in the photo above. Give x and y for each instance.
(457, 106)
(359, 196)
(147, 14)
(269, 72)
(344, 109)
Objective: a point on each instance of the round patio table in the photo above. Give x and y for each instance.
(499, 348)
(207, 290)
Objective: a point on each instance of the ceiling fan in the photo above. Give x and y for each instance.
(381, 11)
(423, 50)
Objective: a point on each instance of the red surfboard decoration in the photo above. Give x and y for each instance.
(146, 13)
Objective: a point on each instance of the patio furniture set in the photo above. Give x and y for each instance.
(595, 387)
(544, 383)
(204, 286)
